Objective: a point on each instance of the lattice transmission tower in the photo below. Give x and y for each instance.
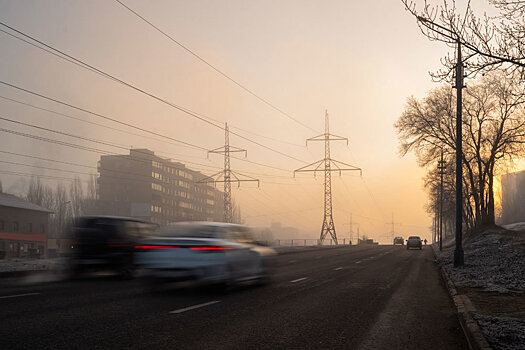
(328, 221)
(227, 176)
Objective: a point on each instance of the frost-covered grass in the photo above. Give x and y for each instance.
(494, 261)
(503, 333)
(18, 265)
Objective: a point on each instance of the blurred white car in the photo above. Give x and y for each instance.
(214, 253)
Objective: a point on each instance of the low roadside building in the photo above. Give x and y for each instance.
(23, 227)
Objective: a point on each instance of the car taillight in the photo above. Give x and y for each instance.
(210, 248)
(146, 247)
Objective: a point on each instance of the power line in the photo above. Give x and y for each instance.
(82, 120)
(99, 115)
(101, 125)
(215, 68)
(198, 116)
(18, 173)
(89, 149)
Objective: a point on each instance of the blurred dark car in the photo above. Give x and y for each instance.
(106, 243)
(414, 242)
(399, 240)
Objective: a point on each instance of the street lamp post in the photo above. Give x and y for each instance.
(458, 252)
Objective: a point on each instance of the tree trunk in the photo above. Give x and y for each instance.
(489, 217)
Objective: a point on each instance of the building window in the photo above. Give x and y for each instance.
(2, 225)
(30, 227)
(15, 226)
(43, 228)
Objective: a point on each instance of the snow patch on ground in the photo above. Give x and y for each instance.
(518, 226)
(494, 260)
(20, 265)
(505, 333)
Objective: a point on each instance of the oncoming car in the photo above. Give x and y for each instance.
(209, 253)
(399, 240)
(414, 242)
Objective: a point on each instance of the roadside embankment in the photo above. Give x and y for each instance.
(490, 288)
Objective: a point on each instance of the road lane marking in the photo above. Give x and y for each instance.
(18, 295)
(179, 311)
(299, 280)
(338, 268)
(358, 262)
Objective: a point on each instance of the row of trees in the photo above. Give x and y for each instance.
(493, 104)
(66, 201)
(494, 133)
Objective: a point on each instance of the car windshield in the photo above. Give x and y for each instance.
(185, 230)
(414, 237)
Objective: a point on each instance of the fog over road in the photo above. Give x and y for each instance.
(365, 297)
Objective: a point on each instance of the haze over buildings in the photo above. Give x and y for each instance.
(359, 60)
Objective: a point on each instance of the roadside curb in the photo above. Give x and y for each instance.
(475, 338)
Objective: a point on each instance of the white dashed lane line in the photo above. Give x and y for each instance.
(179, 311)
(338, 268)
(298, 280)
(18, 295)
(358, 262)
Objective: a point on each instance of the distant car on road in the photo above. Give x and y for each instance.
(106, 243)
(399, 240)
(209, 253)
(414, 242)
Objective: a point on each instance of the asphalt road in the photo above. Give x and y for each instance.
(375, 297)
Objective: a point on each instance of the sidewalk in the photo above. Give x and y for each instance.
(493, 278)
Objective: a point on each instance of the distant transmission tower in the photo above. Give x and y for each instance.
(227, 176)
(393, 226)
(328, 221)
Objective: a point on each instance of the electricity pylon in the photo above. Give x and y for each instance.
(328, 221)
(392, 231)
(227, 176)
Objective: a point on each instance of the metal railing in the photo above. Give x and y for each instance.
(308, 242)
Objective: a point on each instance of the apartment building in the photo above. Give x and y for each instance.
(149, 187)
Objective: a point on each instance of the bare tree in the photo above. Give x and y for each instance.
(90, 203)
(76, 197)
(489, 42)
(494, 124)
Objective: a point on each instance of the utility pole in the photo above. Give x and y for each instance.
(328, 221)
(459, 256)
(227, 176)
(441, 168)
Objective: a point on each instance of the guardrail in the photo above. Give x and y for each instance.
(308, 242)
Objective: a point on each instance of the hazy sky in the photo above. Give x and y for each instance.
(360, 60)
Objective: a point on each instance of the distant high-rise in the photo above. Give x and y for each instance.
(513, 197)
(149, 187)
